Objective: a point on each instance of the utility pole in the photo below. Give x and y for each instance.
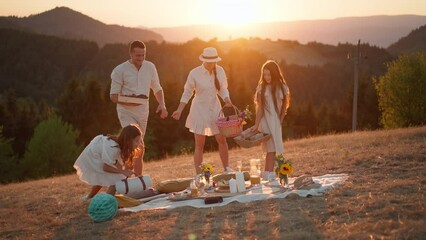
(355, 100)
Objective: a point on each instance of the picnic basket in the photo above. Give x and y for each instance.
(230, 126)
(248, 139)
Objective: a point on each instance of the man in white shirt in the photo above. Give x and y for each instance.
(135, 77)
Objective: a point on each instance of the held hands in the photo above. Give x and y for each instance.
(163, 110)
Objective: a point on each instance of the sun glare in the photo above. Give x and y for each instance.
(235, 13)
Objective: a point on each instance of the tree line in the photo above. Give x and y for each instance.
(56, 91)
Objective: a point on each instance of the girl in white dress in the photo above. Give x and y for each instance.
(208, 81)
(108, 159)
(272, 100)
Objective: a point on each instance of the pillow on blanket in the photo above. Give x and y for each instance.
(125, 202)
(305, 182)
(174, 185)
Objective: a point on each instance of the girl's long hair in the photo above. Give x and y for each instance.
(277, 82)
(125, 143)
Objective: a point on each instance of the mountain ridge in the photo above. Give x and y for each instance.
(415, 41)
(380, 30)
(67, 23)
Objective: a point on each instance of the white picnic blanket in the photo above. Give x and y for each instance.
(261, 192)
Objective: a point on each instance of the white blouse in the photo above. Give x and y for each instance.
(205, 107)
(202, 82)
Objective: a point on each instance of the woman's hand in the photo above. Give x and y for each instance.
(176, 114)
(127, 172)
(228, 103)
(255, 128)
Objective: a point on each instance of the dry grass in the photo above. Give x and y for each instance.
(384, 198)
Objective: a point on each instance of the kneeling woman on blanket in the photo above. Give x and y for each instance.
(108, 159)
(272, 100)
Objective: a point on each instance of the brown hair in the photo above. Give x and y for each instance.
(216, 81)
(136, 44)
(277, 82)
(125, 142)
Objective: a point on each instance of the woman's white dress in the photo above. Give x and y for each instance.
(270, 122)
(205, 107)
(89, 164)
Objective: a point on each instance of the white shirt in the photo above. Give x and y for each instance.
(127, 80)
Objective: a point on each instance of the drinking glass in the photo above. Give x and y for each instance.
(239, 165)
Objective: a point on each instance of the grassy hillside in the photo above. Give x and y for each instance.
(382, 199)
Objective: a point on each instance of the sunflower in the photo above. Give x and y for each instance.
(208, 168)
(286, 168)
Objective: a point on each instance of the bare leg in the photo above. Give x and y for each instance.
(198, 152)
(94, 191)
(269, 161)
(111, 190)
(223, 150)
(138, 161)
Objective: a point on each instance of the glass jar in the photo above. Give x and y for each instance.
(254, 171)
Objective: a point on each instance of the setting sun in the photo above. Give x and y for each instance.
(234, 13)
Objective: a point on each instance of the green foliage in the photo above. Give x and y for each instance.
(19, 116)
(52, 149)
(87, 109)
(9, 168)
(402, 98)
(40, 66)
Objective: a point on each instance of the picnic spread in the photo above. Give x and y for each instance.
(304, 186)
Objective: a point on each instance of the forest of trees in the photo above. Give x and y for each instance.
(66, 83)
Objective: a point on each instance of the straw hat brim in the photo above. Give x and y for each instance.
(217, 59)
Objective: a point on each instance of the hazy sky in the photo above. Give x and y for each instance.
(167, 13)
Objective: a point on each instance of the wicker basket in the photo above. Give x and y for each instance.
(230, 126)
(248, 140)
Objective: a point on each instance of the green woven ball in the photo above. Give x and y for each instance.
(102, 207)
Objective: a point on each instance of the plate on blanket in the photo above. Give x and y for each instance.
(180, 196)
(225, 189)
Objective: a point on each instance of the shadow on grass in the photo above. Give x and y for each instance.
(81, 226)
(293, 218)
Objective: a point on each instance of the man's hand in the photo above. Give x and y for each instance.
(163, 111)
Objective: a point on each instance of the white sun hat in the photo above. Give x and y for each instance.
(210, 55)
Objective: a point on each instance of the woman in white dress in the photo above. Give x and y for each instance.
(272, 100)
(208, 81)
(108, 159)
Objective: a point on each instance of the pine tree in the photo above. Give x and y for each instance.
(52, 149)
